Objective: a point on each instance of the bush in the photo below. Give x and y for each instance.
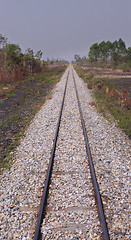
(126, 67)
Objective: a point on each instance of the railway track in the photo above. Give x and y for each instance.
(71, 205)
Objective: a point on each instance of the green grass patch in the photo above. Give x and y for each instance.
(11, 95)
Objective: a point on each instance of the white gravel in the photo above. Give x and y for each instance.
(21, 187)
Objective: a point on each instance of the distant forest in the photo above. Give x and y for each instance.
(109, 54)
(14, 64)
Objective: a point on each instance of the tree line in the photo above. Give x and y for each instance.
(14, 64)
(108, 53)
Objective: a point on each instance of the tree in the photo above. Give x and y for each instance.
(109, 47)
(13, 56)
(103, 51)
(28, 59)
(118, 52)
(121, 47)
(94, 53)
(14, 64)
(77, 58)
(38, 55)
(3, 41)
(129, 54)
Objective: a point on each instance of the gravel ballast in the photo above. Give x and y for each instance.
(71, 203)
(21, 187)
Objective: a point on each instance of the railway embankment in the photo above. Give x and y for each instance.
(22, 185)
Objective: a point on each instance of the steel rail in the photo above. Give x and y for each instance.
(94, 179)
(47, 183)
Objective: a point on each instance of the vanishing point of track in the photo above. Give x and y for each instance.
(42, 209)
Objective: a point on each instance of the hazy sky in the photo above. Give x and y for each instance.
(63, 28)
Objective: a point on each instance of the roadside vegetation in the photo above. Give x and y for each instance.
(107, 54)
(20, 102)
(112, 95)
(14, 65)
(25, 83)
(107, 71)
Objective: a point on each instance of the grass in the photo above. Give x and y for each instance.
(10, 95)
(106, 102)
(19, 103)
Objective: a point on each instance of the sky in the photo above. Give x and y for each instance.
(63, 28)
